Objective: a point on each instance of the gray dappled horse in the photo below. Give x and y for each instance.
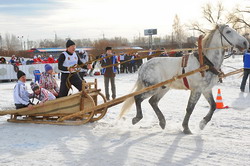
(160, 69)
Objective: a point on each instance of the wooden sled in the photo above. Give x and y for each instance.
(51, 111)
(82, 107)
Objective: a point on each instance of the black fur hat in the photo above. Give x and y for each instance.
(20, 74)
(70, 43)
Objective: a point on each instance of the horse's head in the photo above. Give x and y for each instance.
(229, 37)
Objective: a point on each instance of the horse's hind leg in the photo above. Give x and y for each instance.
(209, 97)
(138, 101)
(193, 99)
(154, 100)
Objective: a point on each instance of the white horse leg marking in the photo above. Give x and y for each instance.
(193, 99)
(209, 97)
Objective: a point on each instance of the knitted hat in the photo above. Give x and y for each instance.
(48, 67)
(69, 43)
(108, 48)
(34, 86)
(20, 74)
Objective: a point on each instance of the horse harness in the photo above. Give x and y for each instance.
(206, 62)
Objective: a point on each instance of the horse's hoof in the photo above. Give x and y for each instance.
(162, 124)
(203, 123)
(187, 131)
(135, 120)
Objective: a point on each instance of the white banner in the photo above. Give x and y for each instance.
(7, 71)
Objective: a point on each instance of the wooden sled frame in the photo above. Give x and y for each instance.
(51, 111)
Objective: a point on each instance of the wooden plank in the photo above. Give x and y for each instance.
(69, 103)
(48, 122)
(121, 99)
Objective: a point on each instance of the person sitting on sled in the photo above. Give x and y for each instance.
(21, 95)
(41, 94)
(47, 81)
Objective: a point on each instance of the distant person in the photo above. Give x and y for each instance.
(246, 61)
(109, 72)
(21, 95)
(2, 60)
(35, 59)
(51, 59)
(23, 61)
(122, 59)
(94, 65)
(66, 60)
(39, 60)
(13, 59)
(41, 94)
(151, 52)
(47, 81)
(84, 57)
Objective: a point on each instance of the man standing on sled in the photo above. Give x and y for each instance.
(66, 60)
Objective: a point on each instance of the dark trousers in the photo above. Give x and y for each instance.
(74, 80)
(83, 74)
(106, 84)
(244, 80)
(18, 106)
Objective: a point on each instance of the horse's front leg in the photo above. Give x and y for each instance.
(193, 99)
(209, 97)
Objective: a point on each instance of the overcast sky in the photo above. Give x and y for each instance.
(40, 19)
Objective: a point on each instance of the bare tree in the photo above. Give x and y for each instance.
(100, 46)
(12, 43)
(217, 14)
(213, 14)
(197, 27)
(178, 30)
(236, 17)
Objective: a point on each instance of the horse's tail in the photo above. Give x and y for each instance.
(128, 102)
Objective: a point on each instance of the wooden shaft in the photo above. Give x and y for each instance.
(200, 53)
(232, 73)
(142, 57)
(123, 98)
(200, 50)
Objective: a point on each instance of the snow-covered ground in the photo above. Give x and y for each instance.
(224, 141)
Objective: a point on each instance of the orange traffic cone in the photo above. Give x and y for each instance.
(219, 102)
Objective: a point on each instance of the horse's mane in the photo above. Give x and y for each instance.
(207, 39)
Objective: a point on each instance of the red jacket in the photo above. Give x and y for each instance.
(51, 60)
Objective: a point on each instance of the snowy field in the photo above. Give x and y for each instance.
(111, 142)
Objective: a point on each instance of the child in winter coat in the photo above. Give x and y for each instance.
(21, 95)
(47, 81)
(41, 94)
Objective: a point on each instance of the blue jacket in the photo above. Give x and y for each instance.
(246, 60)
(104, 63)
